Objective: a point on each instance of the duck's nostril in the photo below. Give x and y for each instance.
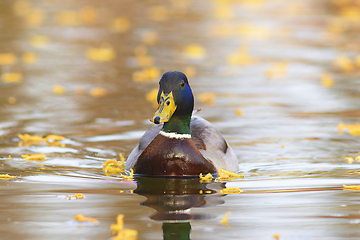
(157, 120)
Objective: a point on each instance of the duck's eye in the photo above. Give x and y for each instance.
(168, 103)
(182, 84)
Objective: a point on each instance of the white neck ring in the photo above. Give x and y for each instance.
(174, 135)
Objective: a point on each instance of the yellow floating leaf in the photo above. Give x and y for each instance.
(81, 218)
(126, 234)
(98, 92)
(357, 158)
(29, 138)
(207, 178)
(130, 177)
(349, 160)
(226, 175)
(122, 160)
(276, 236)
(149, 37)
(353, 129)
(29, 58)
(152, 96)
(102, 54)
(113, 167)
(351, 187)
(195, 51)
(88, 15)
(35, 18)
(238, 112)
(357, 60)
(326, 80)
(277, 70)
(224, 11)
(6, 177)
(21, 8)
(240, 58)
(52, 137)
(224, 221)
(34, 157)
(11, 100)
(208, 98)
(158, 13)
(67, 18)
(13, 77)
(122, 234)
(39, 41)
(54, 140)
(344, 63)
(121, 25)
(233, 190)
(147, 74)
(7, 59)
(59, 89)
(78, 196)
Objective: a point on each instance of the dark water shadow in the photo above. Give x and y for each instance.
(173, 198)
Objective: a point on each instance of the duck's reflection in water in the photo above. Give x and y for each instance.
(172, 198)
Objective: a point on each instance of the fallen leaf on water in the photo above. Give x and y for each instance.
(12, 77)
(353, 129)
(152, 96)
(238, 112)
(276, 236)
(78, 196)
(149, 37)
(120, 25)
(29, 58)
(208, 98)
(207, 178)
(349, 160)
(351, 187)
(147, 74)
(277, 70)
(130, 177)
(67, 18)
(39, 41)
(35, 17)
(102, 54)
(88, 14)
(34, 157)
(226, 175)
(81, 218)
(122, 233)
(344, 63)
(7, 59)
(224, 221)
(98, 92)
(59, 89)
(233, 190)
(21, 8)
(326, 80)
(195, 51)
(6, 176)
(158, 13)
(11, 100)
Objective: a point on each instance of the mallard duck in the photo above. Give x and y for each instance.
(180, 144)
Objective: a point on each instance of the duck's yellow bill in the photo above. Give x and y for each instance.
(165, 110)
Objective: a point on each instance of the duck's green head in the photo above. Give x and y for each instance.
(175, 98)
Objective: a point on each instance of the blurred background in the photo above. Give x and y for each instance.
(279, 79)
